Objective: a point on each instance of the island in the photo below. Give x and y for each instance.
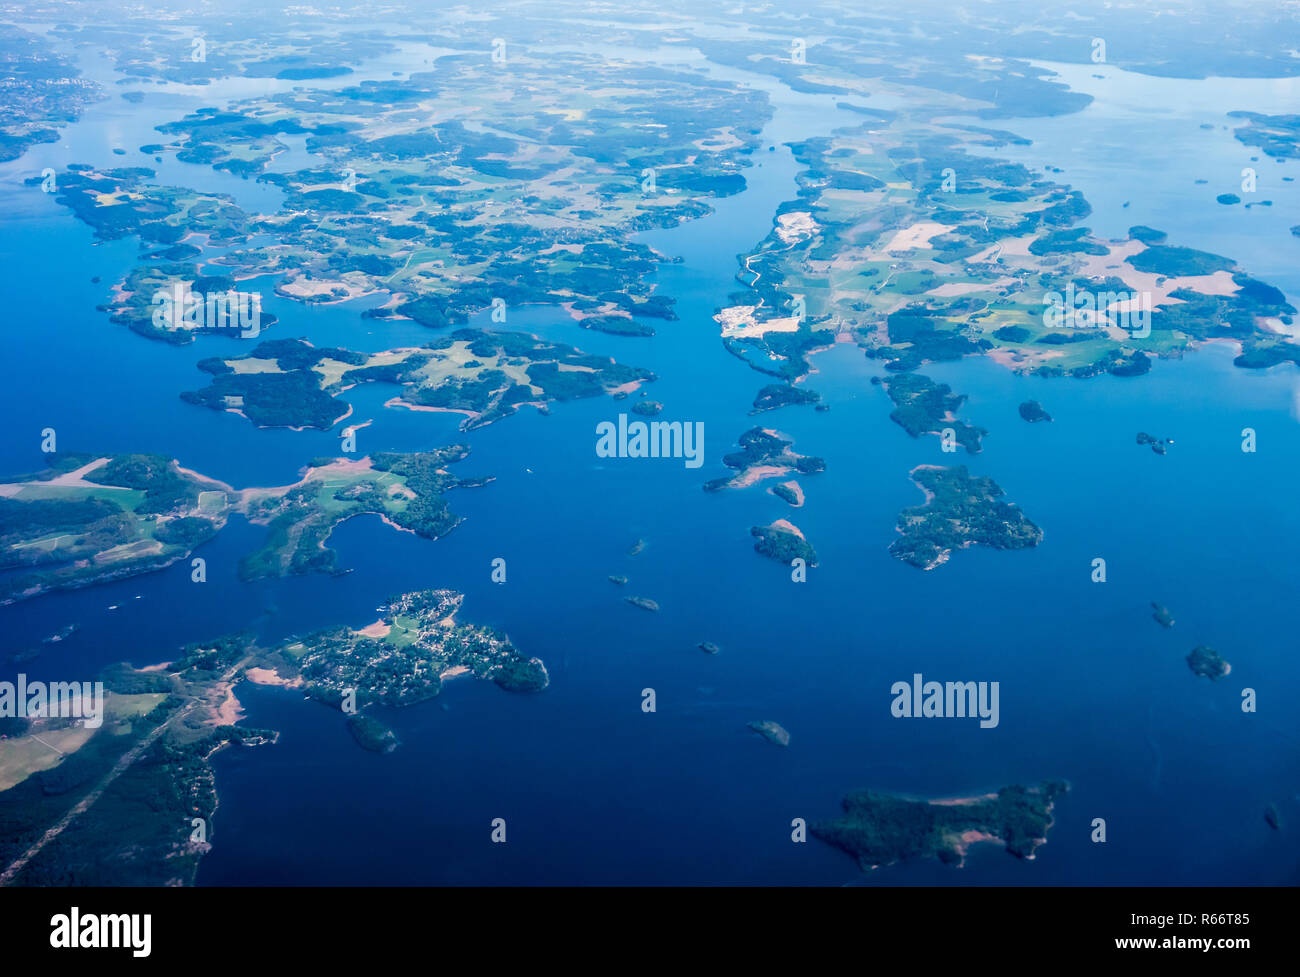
(1159, 445)
(1205, 661)
(776, 395)
(1032, 411)
(645, 603)
(647, 408)
(784, 542)
(1277, 135)
(484, 375)
(371, 734)
(960, 510)
(1162, 615)
(881, 829)
(791, 492)
(763, 454)
(771, 731)
(89, 519)
(402, 658)
(922, 406)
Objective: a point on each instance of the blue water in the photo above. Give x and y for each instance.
(592, 788)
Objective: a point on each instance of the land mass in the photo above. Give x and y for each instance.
(880, 829)
(1207, 662)
(484, 375)
(89, 519)
(960, 510)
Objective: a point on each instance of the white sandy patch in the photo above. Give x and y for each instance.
(966, 288)
(1012, 247)
(266, 676)
(379, 629)
(916, 236)
(756, 473)
(1114, 264)
(738, 322)
(229, 712)
(788, 526)
(795, 226)
(797, 491)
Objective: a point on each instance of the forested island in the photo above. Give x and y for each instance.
(402, 658)
(960, 510)
(922, 406)
(771, 731)
(783, 541)
(763, 454)
(483, 375)
(880, 829)
(1033, 412)
(1205, 661)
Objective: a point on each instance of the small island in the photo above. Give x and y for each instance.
(961, 510)
(645, 603)
(776, 395)
(371, 734)
(1162, 615)
(881, 829)
(1032, 411)
(922, 406)
(771, 731)
(784, 542)
(791, 492)
(1207, 662)
(647, 408)
(763, 454)
(1159, 445)
(401, 659)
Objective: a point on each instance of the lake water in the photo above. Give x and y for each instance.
(593, 789)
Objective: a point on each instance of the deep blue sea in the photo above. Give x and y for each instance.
(593, 789)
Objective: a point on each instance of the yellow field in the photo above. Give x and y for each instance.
(22, 756)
